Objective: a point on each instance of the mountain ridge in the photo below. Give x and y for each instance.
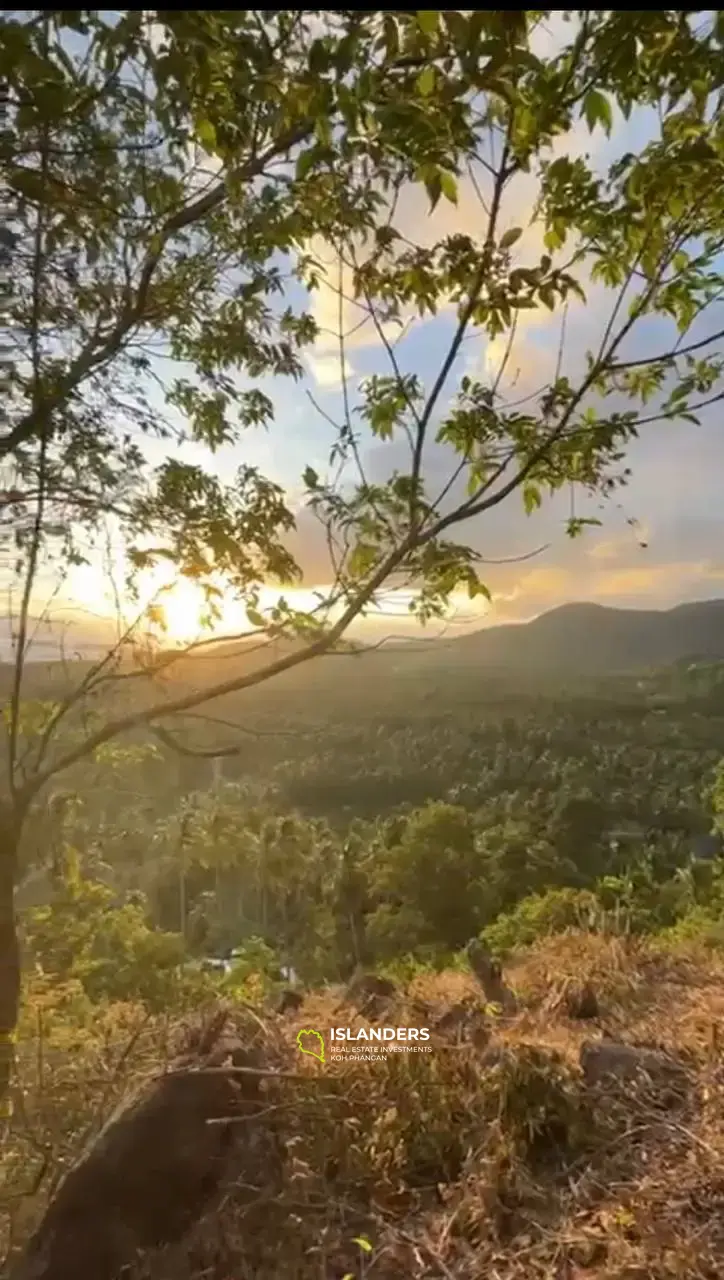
(583, 636)
(588, 636)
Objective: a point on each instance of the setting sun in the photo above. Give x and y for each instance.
(173, 609)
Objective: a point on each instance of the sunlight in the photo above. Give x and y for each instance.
(177, 605)
(170, 609)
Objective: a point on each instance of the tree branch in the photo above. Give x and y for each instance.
(201, 753)
(666, 357)
(98, 352)
(504, 173)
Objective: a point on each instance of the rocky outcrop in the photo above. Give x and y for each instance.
(369, 994)
(465, 1023)
(153, 1169)
(604, 1059)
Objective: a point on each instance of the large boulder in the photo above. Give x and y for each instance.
(150, 1173)
(369, 994)
(604, 1059)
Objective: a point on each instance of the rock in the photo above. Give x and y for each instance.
(421, 1011)
(369, 994)
(454, 1018)
(144, 1181)
(489, 974)
(365, 985)
(289, 1001)
(466, 1023)
(581, 1002)
(605, 1058)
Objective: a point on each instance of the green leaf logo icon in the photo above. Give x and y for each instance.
(314, 1047)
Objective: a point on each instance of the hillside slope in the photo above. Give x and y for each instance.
(591, 637)
(461, 1163)
(575, 640)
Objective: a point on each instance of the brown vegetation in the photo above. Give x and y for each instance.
(524, 1152)
(490, 976)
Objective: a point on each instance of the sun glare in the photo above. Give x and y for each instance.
(172, 608)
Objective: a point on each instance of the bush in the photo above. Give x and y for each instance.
(540, 915)
(253, 972)
(82, 935)
(698, 925)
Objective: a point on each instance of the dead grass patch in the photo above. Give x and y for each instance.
(468, 1163)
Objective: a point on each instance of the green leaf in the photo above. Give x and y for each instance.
(554, 238)
(449, 186)
(597, 110)
(427, 21)
(323, 130)
(531, 498)
(433, 186)
(311, 479)
(511, 237)
(206, 134)
(426, 81)
(362, 559)
(305, 162)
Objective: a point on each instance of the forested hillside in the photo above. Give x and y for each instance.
(391, 808)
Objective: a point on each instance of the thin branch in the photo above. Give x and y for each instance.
(101, 349)
(202, 753)
(240, 728)
(504, 173)
(667, 357)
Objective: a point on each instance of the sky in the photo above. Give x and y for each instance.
(661, 540)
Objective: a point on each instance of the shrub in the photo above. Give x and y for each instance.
(109, 949)
(539, 915)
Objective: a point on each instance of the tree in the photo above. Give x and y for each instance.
(431, 881)
(170, 179)
(111, 950)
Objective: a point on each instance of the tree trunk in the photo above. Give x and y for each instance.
(9, 947)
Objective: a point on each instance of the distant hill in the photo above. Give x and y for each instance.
(593, 638)
(580, 639)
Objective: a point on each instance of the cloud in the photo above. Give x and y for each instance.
(336, 311)
(326, 368)
(609, 550)
(529, 361)
(651, 585)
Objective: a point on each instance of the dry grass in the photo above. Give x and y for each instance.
(466, 1165)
